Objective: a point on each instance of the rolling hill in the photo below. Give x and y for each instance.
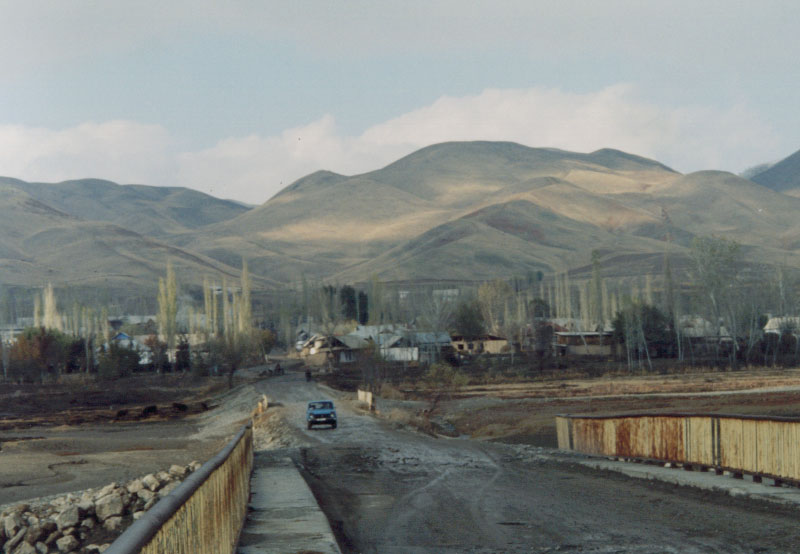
(783, 176)
(461, 210)
(154, 211)
(333, 225)
(41, 244)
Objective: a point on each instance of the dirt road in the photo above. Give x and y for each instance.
(389, 489)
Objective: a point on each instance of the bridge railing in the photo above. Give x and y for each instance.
(762, 445)
(204, 515)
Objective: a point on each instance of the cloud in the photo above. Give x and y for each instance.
(123, 151)
(687, 138)
(253, 168)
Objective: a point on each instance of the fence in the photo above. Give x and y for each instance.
(204, 515)
(760, 445)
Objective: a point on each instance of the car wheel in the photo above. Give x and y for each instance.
(333, 425)
(309, 425)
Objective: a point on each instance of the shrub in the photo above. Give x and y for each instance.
(37, 353)
(182, 355)
(446, 376)
(117, 362)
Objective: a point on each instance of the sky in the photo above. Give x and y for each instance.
(241, 98)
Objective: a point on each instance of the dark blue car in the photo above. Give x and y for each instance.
(321, 412)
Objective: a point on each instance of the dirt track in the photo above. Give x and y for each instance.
(388, 489)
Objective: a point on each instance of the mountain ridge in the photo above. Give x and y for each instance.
(783, 176)
(453, 211)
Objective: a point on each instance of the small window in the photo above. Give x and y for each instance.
(469, 346)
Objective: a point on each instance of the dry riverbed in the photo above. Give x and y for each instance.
(393, 481)
(73, 438)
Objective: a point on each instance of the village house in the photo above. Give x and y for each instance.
(489, 344)
(124, 340)
(584, 343)
(328, 350)
(398, 343)
(780, 325)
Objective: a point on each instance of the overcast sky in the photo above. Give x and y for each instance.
(240, 98)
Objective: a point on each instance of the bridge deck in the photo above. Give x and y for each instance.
(283, 516)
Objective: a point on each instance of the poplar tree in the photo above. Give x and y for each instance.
(585, 307)
(245, 312)
(105, 328)
(595, 293)
(208, 309)
(226, 315)
(51, 318)
(168, 306)
(378, 306)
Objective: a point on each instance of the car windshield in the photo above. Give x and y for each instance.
(320, 406)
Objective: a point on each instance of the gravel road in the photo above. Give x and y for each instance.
(389, 489)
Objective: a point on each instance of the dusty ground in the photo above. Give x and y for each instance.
(388, 488)
(525, 412)
(69, 438)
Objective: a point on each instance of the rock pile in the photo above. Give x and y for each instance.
(85, 523)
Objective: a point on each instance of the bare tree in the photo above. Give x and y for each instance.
(716, 272)
(492, 298)
(436, 312)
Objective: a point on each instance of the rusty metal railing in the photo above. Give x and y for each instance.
(761, 445)
(204, 515)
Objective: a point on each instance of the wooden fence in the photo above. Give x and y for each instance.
(759, 445)
(204, 515)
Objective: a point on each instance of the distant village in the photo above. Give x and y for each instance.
(405, 343)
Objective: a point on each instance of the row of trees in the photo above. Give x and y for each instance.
(220, 337)
(228, 338)
(648, 314)
(719, 298)
(39, 354)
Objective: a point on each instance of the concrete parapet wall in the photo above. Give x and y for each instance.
(753, 444)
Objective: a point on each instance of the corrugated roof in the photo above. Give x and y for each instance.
(353, 342)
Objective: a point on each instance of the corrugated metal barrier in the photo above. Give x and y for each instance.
(760, 445)
(204, 515)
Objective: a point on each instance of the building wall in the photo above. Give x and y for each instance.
(495, 346)
(589, 350)
(400, 354)
(479, 346)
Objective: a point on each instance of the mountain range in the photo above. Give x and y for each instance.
(460, 210)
